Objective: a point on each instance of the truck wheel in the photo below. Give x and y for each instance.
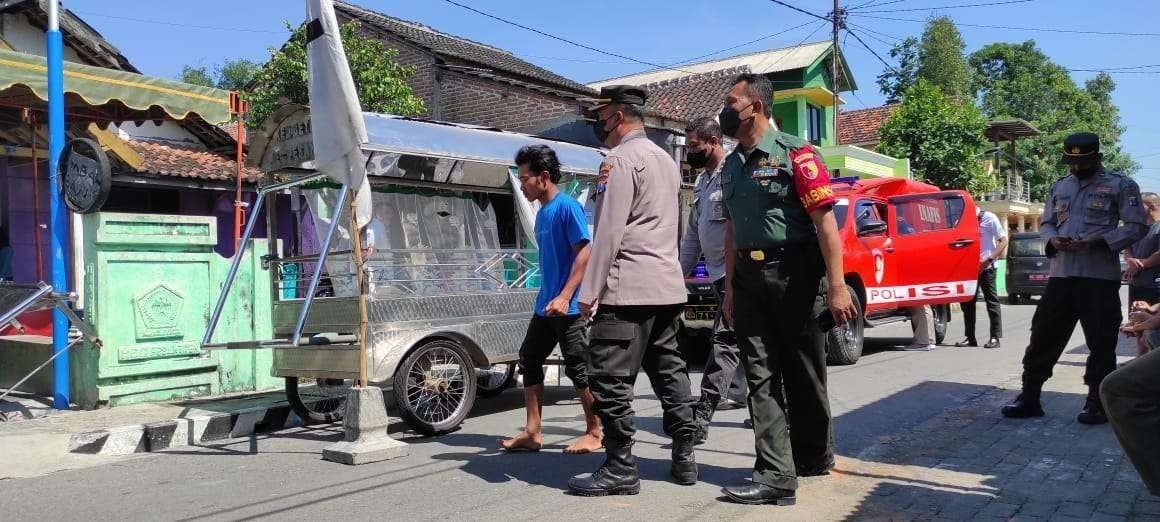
(435, 387)
(321, 402)
(495, 379)
(844, 342)
(942, 316)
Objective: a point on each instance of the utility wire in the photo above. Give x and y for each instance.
(562, 39)
(936, 8)
(872, 51)
(175, 24)
(872, 31)
(800, 10)
(1040, 29)
(871, 35)
(872, 3)
(788, 51)
(719, 51)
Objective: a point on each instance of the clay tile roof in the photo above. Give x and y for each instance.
(690, 97)
(453, 46)
(171, 160)
(861, 126)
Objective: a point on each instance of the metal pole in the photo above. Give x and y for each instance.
(58, 213)
(239, 108)
(36, 199)
(834, 71)
(356, 245)
(322, 252)
(234, 264)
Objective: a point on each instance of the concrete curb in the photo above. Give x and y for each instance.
(185, 431)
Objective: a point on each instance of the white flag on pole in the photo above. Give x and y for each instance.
(336, 116)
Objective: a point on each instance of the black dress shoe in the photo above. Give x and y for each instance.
(993, 343)
(616, 476)
(967, 342)
(1093, 413)
(1026, 405)
(730, 404)
(748, 423)
(755, 493)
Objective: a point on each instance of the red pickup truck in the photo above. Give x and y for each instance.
(904, 244)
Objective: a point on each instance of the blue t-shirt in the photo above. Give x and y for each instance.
(560, 227)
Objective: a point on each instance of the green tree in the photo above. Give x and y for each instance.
(235, 75)
(1017, 80)
(196, 76)
(381, 82)
(940, 57)
(943, 137)
(894, 82)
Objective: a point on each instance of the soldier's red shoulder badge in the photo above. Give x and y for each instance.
(811, 179)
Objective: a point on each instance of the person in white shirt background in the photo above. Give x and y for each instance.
(992, 245)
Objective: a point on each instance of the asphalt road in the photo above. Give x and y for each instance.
(462, 476)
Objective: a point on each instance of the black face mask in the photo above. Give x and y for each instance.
(600, 131)
(730, 120)
(697, 159)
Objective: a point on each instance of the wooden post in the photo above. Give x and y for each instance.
(834, 75)
(356, 247)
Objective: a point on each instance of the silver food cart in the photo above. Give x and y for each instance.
(451, 275)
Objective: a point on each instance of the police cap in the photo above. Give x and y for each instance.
(627, 94)
(1080, 147)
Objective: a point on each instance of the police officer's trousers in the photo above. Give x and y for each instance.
(1131, 397)
(776, 305)
(623, 340)
(724, 376)
(1095, 304)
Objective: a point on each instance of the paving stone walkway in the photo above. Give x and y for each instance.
(973, 464)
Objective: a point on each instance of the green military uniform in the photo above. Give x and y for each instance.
(778, 285)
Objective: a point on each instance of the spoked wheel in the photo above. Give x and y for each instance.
(435, 387)
(496, 378)
(318, 400)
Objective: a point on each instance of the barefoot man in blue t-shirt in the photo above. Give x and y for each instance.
(562, 236)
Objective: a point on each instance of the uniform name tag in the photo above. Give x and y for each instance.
(764, 173)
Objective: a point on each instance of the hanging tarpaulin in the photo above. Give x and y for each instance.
(339, 131)
(108, 94)
(526, 209)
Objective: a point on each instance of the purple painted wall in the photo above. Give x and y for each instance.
(19, 217)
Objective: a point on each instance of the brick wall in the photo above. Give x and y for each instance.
(423, 81)
(479, 101)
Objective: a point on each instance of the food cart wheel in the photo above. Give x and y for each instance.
(322, 401)
(435, 387)
(496, 378)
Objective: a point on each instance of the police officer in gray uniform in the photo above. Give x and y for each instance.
(1082, 226)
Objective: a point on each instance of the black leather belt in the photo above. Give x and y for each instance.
(771, 254)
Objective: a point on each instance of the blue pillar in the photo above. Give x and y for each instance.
(58, 213)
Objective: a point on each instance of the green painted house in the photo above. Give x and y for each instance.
(803, 100)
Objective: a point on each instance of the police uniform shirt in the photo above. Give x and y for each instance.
(634, 259)
(706, 232)
(770, 190)
(1093, 207)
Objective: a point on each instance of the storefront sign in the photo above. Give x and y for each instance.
(288, 142)
(85, 176)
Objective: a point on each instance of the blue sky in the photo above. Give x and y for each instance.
(159, 37)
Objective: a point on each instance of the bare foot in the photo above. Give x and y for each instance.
(523, 442)
(586, 444)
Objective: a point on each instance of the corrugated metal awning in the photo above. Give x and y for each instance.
(95, 94)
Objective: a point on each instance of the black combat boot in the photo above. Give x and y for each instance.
(684, 467)
(616, 476)
(1026, 404)
(702, 415)
(1093, 409)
